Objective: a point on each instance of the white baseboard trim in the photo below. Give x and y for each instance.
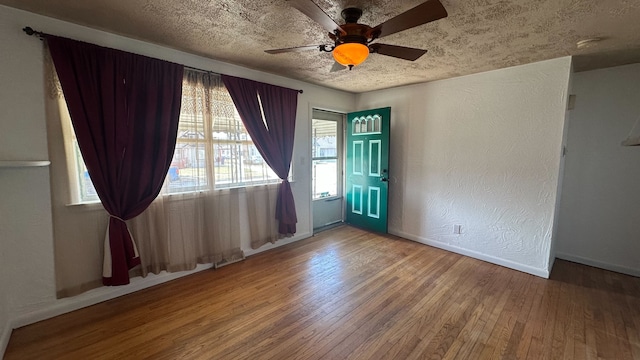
(543, 273)
(598, 264)
(4, 338)
(95, 296)
(552, 262)
(278, 243)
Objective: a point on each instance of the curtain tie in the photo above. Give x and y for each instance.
(115, 217)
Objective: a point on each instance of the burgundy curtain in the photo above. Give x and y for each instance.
(273, 135)
(125, 110)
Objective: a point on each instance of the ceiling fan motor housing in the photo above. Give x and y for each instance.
(353, 32)
(351, 15)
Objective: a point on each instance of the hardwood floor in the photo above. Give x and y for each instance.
(349, 294)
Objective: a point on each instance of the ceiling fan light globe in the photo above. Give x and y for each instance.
(350, 54)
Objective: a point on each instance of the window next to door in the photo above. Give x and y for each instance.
(326, 154)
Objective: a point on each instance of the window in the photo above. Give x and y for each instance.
(326, 164)
(85, 187)
(213, 149)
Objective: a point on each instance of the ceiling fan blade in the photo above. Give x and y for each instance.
(428, 11)
(294, 49)
(401, 52)
(315, 13)
(337, 67)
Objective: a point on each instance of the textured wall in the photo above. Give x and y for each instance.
(25, 223)
(25, 216)
(25, 209)
(565, 137)
(598, 220)
(22, 129)
(482, 151)
(4, 300)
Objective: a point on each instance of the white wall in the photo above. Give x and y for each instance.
(25, 220)
(25, 216)
(565, 137)
(5, 327)
(599, 218)
(482, 151)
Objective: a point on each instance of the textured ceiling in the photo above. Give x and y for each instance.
(478, 35)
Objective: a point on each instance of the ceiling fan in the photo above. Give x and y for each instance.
(352, 42)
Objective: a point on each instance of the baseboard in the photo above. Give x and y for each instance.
(278, 243)
(599, 264)
(95, 296)
(4, 338)
(551, 263)
(91, 297)
(328, 226)
(543, 273)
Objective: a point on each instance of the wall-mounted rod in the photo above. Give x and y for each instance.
(29, 31)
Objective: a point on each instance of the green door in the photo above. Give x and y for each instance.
(367, 177)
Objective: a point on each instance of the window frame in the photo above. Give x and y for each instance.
(242, 141)
(339, 118)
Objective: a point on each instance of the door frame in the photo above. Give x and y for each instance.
(342, 151)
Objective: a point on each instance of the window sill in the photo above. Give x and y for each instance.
(88, 205)
(328, 198)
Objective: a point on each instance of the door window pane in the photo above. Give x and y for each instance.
(325, 139)
(325, 158)
(325, 178)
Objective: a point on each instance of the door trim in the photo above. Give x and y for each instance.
(341, 168)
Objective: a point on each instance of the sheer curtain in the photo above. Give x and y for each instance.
(261, 214)
(200, 224)
(178, 230)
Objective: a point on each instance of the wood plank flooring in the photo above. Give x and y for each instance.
(349, 294)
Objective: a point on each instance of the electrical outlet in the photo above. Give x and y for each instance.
(457, 229)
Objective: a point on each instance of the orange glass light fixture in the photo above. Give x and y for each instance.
(350, 54)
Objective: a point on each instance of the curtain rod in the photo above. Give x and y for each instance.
(29, 31)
